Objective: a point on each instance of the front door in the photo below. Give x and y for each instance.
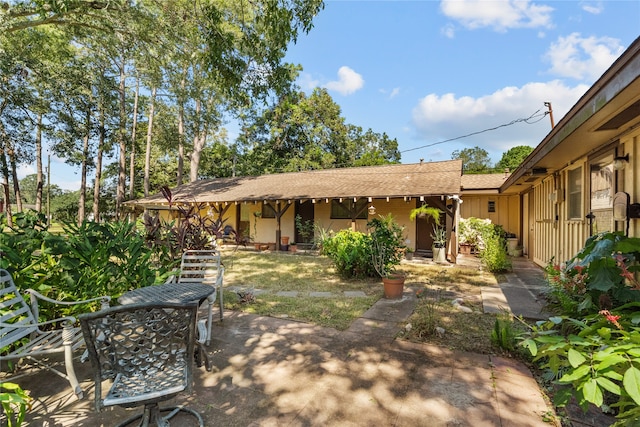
(424, 227)
(304, 224)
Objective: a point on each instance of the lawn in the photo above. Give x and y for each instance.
(264, 274)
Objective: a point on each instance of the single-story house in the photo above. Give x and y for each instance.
(583, 178)
(265, 207)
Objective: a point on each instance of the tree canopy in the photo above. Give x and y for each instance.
(75, 91)
(512, 158)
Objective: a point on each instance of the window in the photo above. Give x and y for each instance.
(268, 211)
(342, 210)
(574, 178)
(491, 207)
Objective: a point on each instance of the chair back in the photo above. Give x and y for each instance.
(147, 347)
(14, 310)
(200, 266)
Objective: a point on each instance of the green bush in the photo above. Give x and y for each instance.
(356, 254)
(387, 244)
(592, 358)
(494, 253)
(15, 403)
(87, 261)
(601, 276)
(350, 252)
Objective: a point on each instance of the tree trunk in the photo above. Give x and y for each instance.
(82, 202)
(98, 178)
(132, 155)
(4, 169)
(199, 140)
(122, 129)
(13, 164)
(147, 153)
(181, 137)
(39, 180)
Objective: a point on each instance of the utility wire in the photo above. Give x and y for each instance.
(526, 120)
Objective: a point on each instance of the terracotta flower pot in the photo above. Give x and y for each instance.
(393, 286)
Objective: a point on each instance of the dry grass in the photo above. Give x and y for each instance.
(275, 272)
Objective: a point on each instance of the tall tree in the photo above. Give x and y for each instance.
(474, 160)
(308, 132)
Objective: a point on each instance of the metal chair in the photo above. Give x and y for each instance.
(147, 351)
(204, 266)
(22, 336)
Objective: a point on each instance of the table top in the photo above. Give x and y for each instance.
(168, 292)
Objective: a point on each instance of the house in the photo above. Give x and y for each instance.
(265, 207)
(584, 177)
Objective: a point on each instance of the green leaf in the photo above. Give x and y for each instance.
(604, 274)
(610, 360)
(592, 392)
(576, 374)
(575, 358)
(609, 385)
(631, 383)
(531, 346)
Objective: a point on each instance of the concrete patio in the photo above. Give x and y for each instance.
(279, 372)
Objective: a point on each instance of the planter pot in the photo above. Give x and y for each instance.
(284, 240)
(409, 256)
(271, 246)
(439, 254)
(465, 249)
(393, 286)
(293, 248)
(284, 247)
(264, 247)
(256, 246)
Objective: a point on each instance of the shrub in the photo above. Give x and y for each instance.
(15, 403)
(592, 358)
(89, 260)
(350, 252)
(601, 276)
(494, 254)
(387, 244)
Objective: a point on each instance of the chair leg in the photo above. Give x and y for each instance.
(67, 337)
(221, 300)
(152, 416)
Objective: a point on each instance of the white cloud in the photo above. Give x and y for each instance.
(448, 31)
(348, 81)
(500, 15)
(306, 81)
(594, 8)
(395, 92)
(583, 58)
(442, 117)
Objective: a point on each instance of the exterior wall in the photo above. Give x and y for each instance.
(557, 236)
(507, 212)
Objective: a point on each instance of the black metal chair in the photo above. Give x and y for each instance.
(147, 351)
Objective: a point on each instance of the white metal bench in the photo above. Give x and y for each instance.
(21, 336)
(204, 266)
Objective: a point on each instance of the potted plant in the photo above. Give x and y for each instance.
(439, 247)
(293, 247)
(408, 254)
(387, 248)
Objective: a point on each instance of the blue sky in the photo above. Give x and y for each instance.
(425, 72)
(429, 71)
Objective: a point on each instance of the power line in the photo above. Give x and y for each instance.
(526, 120)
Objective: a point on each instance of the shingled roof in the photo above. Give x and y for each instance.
(403, 180)
(483, 181)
